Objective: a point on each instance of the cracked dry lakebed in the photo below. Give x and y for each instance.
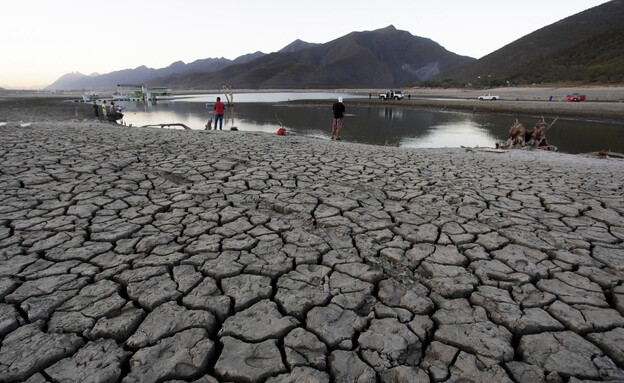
(147, 255)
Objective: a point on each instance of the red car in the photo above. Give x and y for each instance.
(575, 97)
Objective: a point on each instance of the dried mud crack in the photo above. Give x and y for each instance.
(142, 255)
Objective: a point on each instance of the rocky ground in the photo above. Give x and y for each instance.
(147, 255)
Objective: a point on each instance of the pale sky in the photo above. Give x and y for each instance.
(42, 40)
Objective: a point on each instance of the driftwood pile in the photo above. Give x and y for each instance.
(521, 138)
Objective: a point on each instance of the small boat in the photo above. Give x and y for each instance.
(114, 116)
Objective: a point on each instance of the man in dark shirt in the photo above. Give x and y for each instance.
(339, 110)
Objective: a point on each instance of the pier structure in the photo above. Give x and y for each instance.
(140, 92)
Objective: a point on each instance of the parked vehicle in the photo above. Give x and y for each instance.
(575, 97)
(489, 97)
(392, 95)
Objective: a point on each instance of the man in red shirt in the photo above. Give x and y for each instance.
(219, 109)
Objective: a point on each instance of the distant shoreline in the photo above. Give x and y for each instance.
(603, 103)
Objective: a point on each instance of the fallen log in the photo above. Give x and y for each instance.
(604, 153)
(487, 150)
(164, 125)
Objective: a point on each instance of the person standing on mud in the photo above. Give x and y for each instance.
(339, 110)
(219, 109)
(96, 110)
(104, 109)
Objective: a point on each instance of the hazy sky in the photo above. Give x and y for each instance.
(43, 39)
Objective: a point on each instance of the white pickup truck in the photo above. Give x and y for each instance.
(392, 95)
(488, 96)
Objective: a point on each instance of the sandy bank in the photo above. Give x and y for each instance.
(603, 103)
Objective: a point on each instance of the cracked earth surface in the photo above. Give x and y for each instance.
(139, 255)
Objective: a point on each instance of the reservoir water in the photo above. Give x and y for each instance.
(376, 125)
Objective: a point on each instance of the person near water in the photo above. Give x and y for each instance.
(96, 110)
(219, 109)
(339, 110)
(104, 109)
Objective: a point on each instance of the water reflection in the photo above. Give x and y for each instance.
(391, 113)
(272, 97)
(452, 135)
(377, 125)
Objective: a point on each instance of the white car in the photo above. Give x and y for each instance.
(488, 96)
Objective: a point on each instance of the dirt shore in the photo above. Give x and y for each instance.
(603, 103)
(24, 108)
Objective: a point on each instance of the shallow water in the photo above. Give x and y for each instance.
(377, 125)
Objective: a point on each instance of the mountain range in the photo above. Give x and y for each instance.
(374, 59)
(382, 58)
(143, 74)
(585, 47)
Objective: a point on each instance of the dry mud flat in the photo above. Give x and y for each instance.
(145, 255)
